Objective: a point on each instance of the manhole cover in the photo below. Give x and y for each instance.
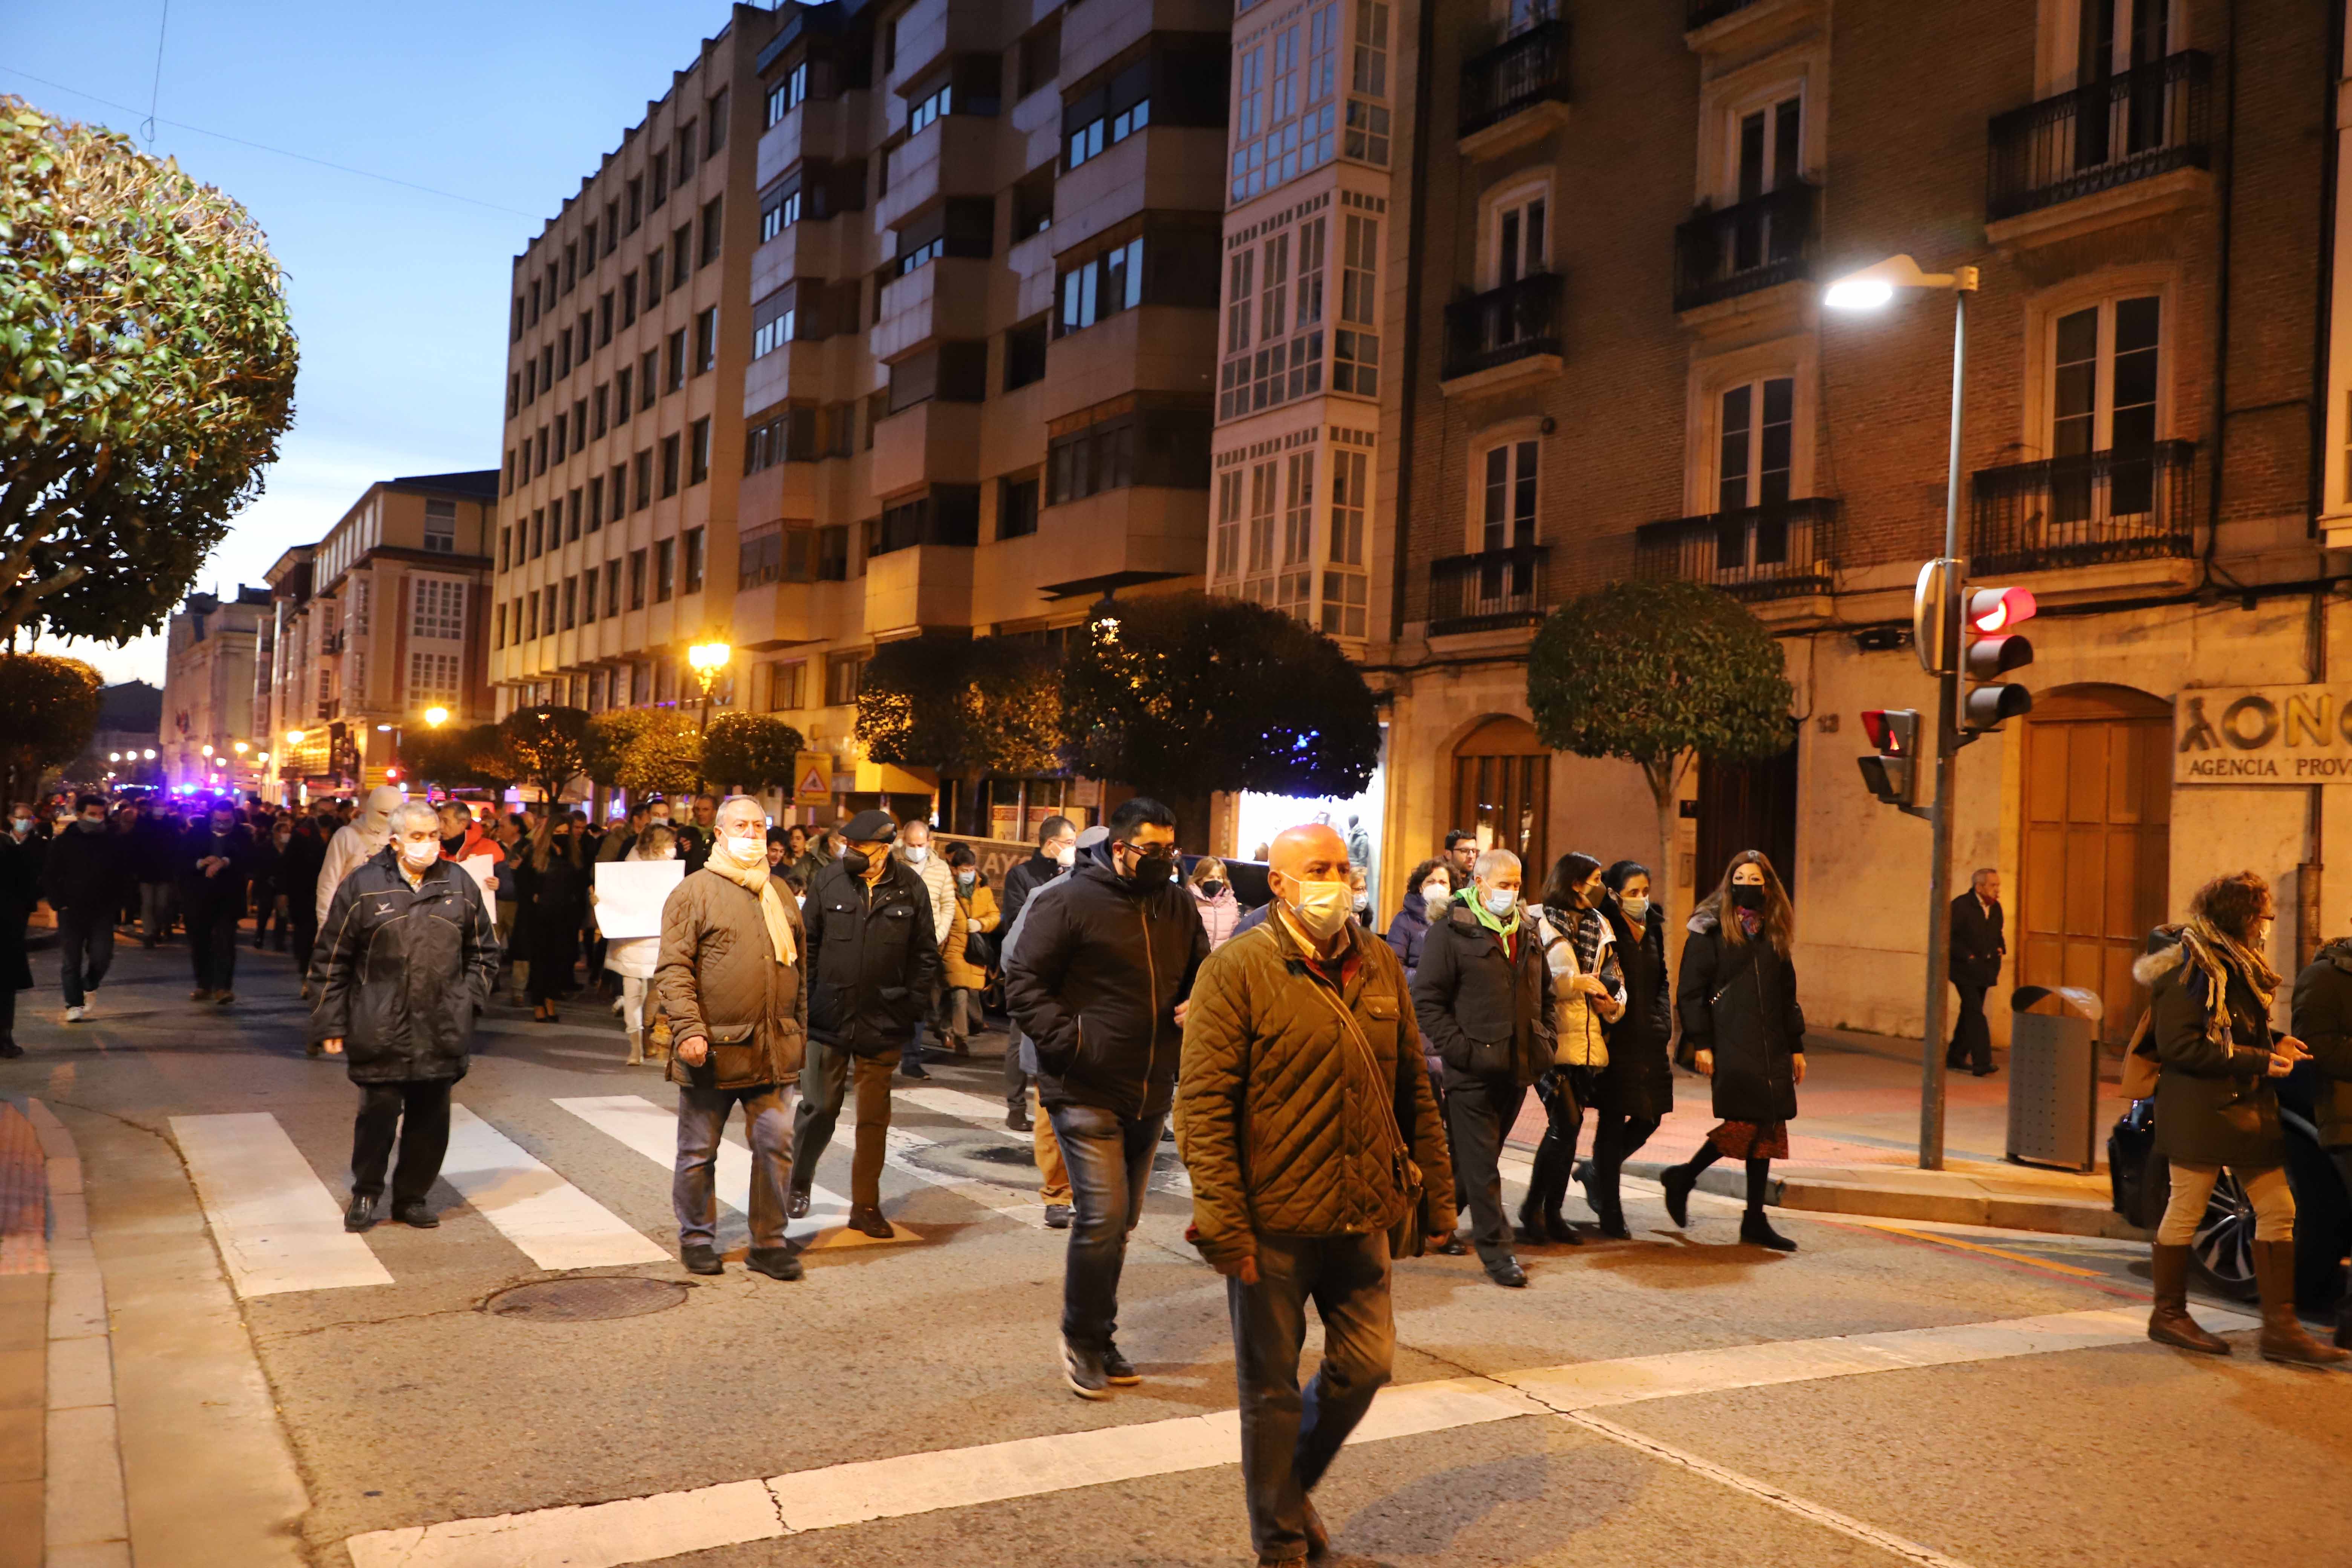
(586, 1299)
(1003, 1154)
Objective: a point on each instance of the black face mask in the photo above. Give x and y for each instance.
(855, 862)
(1745, 896)
(1211, 887)
(1151, 870)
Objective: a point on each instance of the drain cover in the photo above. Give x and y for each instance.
(586, 1299)
(1003, 1154)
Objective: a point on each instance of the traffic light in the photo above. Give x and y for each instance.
(1892, 774)
(1990, 649)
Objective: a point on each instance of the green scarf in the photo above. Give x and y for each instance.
(1469, 896)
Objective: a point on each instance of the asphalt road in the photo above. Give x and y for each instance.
(1677, 1399)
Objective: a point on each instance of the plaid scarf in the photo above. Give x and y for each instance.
(2215, 953)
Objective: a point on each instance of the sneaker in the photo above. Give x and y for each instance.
(1057, 1216)
(701, 1260)
(361, 1214)
(775, 1262)
(870, 1222)
(415, 1216)
(1117, 1369)
(913, 1069)
(1083, 1370)
(76, 1014)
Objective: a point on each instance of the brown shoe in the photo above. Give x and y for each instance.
(2168, 1323)
(2284, 1337)
(869, 1222)
(200, 994)
(222, 998)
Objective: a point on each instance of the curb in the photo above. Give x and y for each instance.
(85, 1518)
(1813, 1194)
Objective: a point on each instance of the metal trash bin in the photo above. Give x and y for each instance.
(2053, 1077)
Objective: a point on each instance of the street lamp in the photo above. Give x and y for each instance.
(240, 747)
(436, 717)
(1872, 288)
(149, 753)
(208, 747)
(293, 737)
(707, 659)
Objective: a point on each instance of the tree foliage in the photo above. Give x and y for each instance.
(48, 710)
(146, 375)
(1180, 695)
(750, 751)
(547, 746)
(646, 751)
(474, 757)
(962, 705)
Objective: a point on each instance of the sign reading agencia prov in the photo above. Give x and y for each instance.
(2263, 735)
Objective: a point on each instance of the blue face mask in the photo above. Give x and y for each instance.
(1500, 901)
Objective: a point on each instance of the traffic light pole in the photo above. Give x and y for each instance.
(1947, 740)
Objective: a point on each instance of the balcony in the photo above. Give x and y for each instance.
(1756, 244)
(1494, 590)
(2147, 124)
(1523, 73)
(2091, 510)
(1503, 336)
(1784, 549)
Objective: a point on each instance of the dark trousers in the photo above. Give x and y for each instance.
(1615, 1140)
(1016, 1082)
(305, 931)
(212, 946)
(1556, 1154)
(419, 1108)
(1289, 1439)
(1477, 1119)
(85, 951)
(7, 1012)
(1109, 1159)
(693, 1191)
(265, 907)
(825, 1082)
(1972, 1036)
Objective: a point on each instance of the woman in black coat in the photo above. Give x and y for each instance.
(555, 900)
(20, 888)
(1632, 1095)
(2209, 995)
(1737, 997)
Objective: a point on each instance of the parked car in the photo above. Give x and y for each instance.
(2221, 1252)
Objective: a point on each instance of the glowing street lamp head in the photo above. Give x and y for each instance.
(708, 657)
(208, 747)
(437, 715)
(1873, 286)
(240, 747)
(293, 737)
(1859, 294)
(149, 753)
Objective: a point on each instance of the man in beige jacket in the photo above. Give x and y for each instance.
(731, 980)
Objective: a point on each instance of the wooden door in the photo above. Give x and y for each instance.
(1748, 806)
(1502, 782)
(2098, 848)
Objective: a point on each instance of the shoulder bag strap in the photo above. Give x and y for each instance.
(1355, 1034)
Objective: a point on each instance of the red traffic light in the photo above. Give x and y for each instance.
(1893, 730)
(1992, 610)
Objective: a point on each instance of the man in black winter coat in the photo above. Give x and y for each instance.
(1482, 994)
(83, 878)
(1058, 836)
(1977, 948)
(410, 953)
(1099, 981)
(873, 958)
(216, 866)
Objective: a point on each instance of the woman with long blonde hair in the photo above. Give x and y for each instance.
(1737, 999)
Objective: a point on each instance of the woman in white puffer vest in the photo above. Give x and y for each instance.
(1587, 995)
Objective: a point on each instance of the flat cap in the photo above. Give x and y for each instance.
(871, 828)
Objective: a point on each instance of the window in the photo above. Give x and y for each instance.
(1109, 115)
(758, 556)
(437, 608)
(2104, 364)
(538, 533)
(514, 395)
(530, 599)
(1294, 584)
(686, 145)
(1753, 442)
(441, 526)
(1286, 110)
(644, 486)
(788, 94)
(1344, 582)
(697, 466)
(787, 686)
(636, 192)
(945, 515)
(611, 588)
(1257, 568)
(665, 570)
(636, 579)
(661, 180)
(782, 211)
(1033, 203)
(498, 627)
(714, 124)
(1355, 346)
(1016, 507)
(1104, 286)
(604, 318)
(693, 561)
(653, 279)
(954, 372)
(621, 410)
(669, 455)
(1521, 239)
(673, 377)
(570, 602)
(571, 520)
(600, 401)
(1766, 147)
(929, 107)
(1161, 447)
(505, 548)
(843, 672)
(1368, 117)
(681, 255)
(595, 502)
(1024, 353)
(1507, 500)
(788, 435)
(1225, 531)
(705, 340)
(433, 680)
(773, 321)
(616, 490)
(1288, 362)
(961, 226)
(588, 597)
(713, 232)
(648, 377)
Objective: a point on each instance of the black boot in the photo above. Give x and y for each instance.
(1757, 1231)
(1601, 1192)
(1542, 1202)
(1678, 1180)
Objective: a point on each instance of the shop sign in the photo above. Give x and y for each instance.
(2263, 735)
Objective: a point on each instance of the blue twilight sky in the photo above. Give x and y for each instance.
(398, 296)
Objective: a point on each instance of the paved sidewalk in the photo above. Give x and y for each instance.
(1855, 1147)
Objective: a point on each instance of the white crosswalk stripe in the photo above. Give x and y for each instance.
(278, 1226)
(555, 1224)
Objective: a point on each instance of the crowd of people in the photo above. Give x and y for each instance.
(1339, 1096)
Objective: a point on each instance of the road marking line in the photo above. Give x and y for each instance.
(2024, 1257)
(902, 1145)
(956, 1103)
(647, 1529)
(278, 1226)
(555, 1224)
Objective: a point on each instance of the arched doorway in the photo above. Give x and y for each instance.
(1502, 782)
(2096, 851)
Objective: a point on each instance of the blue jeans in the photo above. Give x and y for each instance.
(1110, 1161)
(701, 1119)
(1289, 1439)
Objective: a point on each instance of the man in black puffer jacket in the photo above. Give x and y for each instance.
(873, 959)
(1098, 981)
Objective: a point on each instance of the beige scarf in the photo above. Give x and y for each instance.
(753, 878)
(2214, 951)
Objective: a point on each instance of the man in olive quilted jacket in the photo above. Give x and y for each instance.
(1301, 1047)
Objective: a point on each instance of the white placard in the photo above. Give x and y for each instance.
(630, 894)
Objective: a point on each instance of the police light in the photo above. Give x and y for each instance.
(1892, 774)
(1990, 649)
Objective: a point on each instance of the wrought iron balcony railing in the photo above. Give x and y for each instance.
(1520, 318)
(2129, 504)
(1698, 13)
(1778, 551)
(1521, 71)
(1486, 592)
(2144, 121)
(1750, 244)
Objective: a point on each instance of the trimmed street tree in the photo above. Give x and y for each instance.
(969, 706)
(749, 751)
(646, 751)
(146, 374)
(1182, 695)
(474, 757)
(548, 746)
(48, 710)
(1659, 673)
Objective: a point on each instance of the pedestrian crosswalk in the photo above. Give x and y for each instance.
(278, 1220)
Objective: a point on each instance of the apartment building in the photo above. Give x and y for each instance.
(982, 306)
(629, 335)
(383, 620)
(1608, 230)
(208, 687)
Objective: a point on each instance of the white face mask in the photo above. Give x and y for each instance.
(21, 823)
(1323, 907)
(1500, 901)
(1066, 856)
(1434, 897)
(748, 849)
(915, 854)
(657, 822)
(420, 856)
(1636, 905)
